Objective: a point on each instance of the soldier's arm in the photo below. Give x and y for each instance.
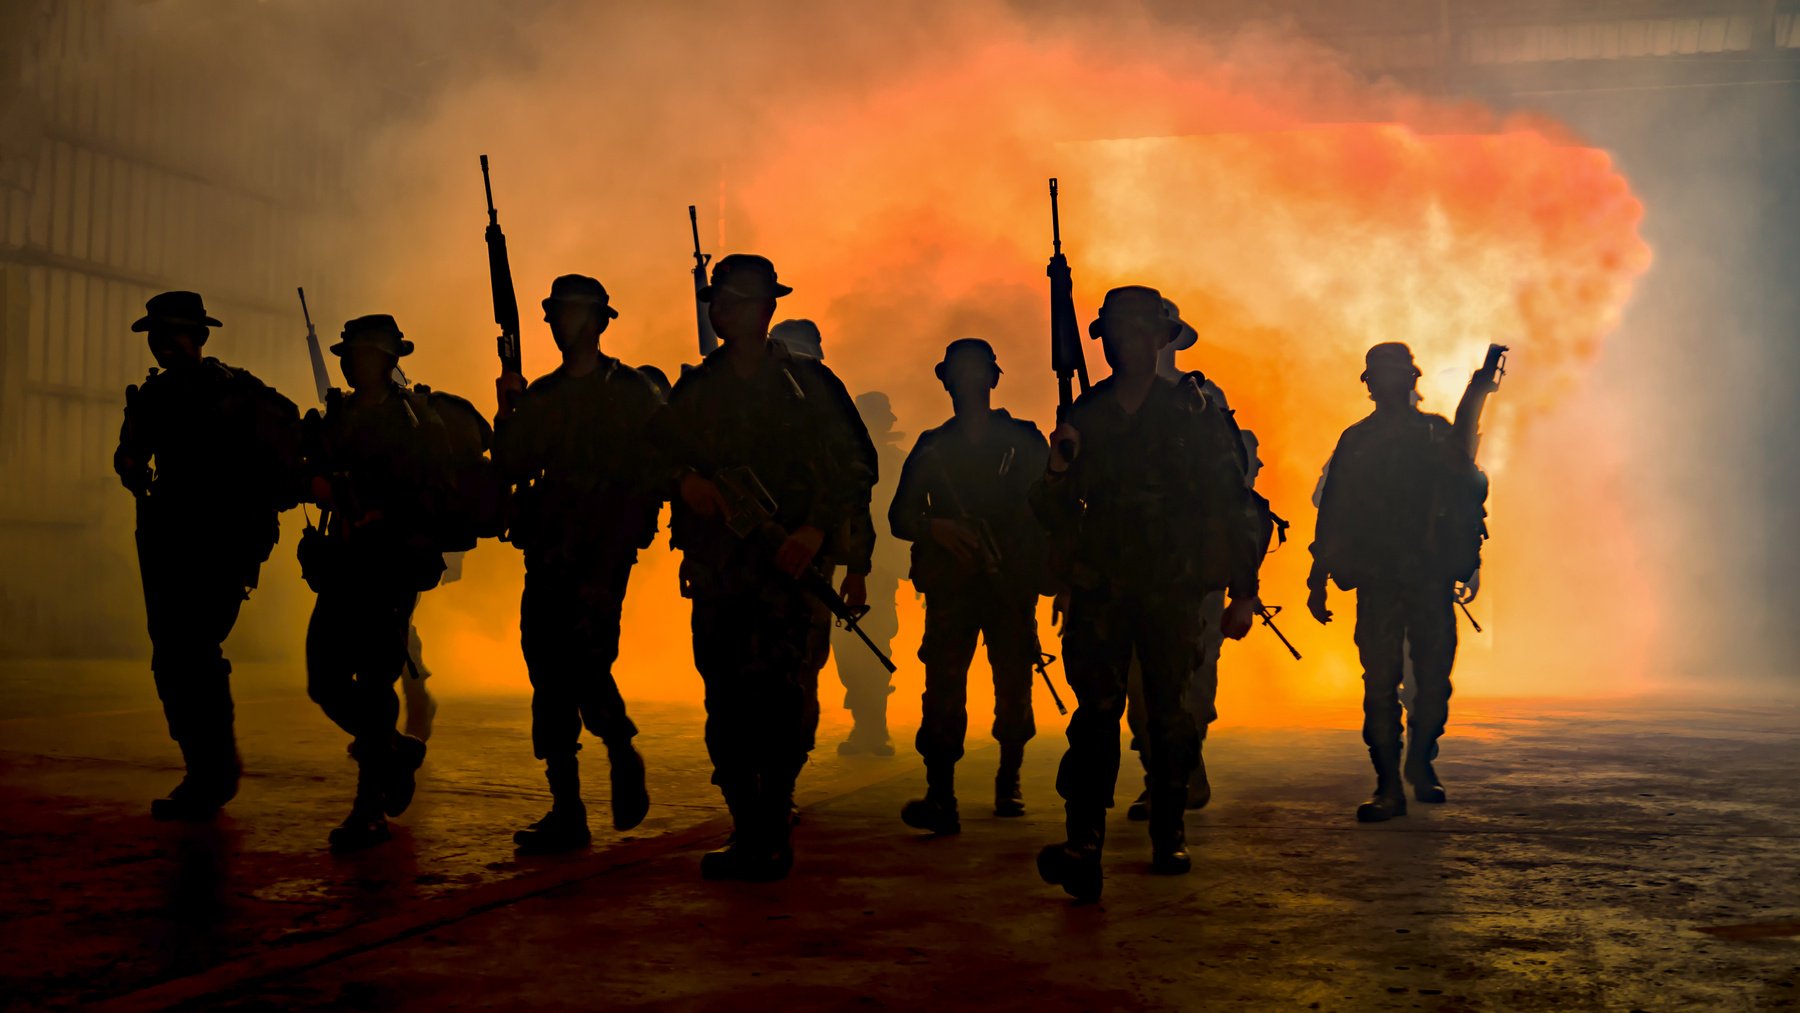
(131, 460)
(851, 467)
(1327, 530)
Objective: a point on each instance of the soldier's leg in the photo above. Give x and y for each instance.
(1167, 638)
(1140, 736)
(1097, 657)
(867, 684)
(952, 624)
(1431, 635)
(380, 662)
(190, 614)
(1009, 625)
(1380, 636)
(602, 601)
(1203, 692)
(331, 658)
(552, 663)
(724, 629)
(421, 709)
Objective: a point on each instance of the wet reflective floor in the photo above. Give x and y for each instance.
(1613, 856)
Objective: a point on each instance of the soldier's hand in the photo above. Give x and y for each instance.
(957, 538)
(1065, 446)
(321, 490)
(507, 389)
(1315, 603)
(133, 475)
(1238, 616)
(796, 554)
(701, 495)
(855, 589)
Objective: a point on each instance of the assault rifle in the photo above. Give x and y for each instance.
(321, 381)
(506, 304)
(1485, 382)
(1066, 356)
(989, 558)
(709, 341)
(1267, 614)
(749, 513)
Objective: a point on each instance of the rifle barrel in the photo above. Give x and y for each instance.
(488, 186)
(1055, 220)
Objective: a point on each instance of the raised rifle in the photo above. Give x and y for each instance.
(709, 341)
(1066, 356)
(1484, 383)
(749, 513)
(506, 304)
(321, 381)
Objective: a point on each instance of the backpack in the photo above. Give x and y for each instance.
(468, 489)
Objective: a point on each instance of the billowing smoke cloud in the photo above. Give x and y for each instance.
(892, 163)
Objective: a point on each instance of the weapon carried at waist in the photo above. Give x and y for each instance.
(1267, 614)
(709, 341)
(1066, 356)
(749, 513)
(1042, 664)
(506, 304)
(321, 381)
(987, 547)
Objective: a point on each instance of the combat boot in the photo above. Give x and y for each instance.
(1139, 810)
(1009, 798)
(1419, 773)
(564, 827)
(1168, 852)
(630, 795)
(365, 827)
(403, 761)
(1074, 864)
(868, 737)
(738, 857)
(1389, 799)
(1199, 789)
(210, 782)
(936, 812)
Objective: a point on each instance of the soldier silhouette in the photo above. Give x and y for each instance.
(212, 455)
(575, 446)
(1144, 478)
(753, 418)
(979, 557)
(1400, 524)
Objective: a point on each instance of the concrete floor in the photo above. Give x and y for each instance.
(1629, 856)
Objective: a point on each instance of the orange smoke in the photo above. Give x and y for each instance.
(1296, 215)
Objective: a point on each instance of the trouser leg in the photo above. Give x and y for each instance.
(1166, 636)
(1010, 629)
(1431, 632)
(946, 649)
(1097, 655)
(1380, 634)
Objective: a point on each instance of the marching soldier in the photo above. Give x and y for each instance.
(1143, 478)
(1400, 523)
(755, 421)
(576, 449)
(978, 555)
(879, 563)
(384, 466)
(212, 455)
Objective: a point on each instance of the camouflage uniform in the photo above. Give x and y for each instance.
(589, 490)
(1160, 517)
(756, 633)
(946, 474)
(225, 450)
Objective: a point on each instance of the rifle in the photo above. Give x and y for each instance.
(1267, 614)
(1467, 427)
(506, 304)
(709, 341)
(321, 381)
(749, 512)
(1066, 357)
(990, 557)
